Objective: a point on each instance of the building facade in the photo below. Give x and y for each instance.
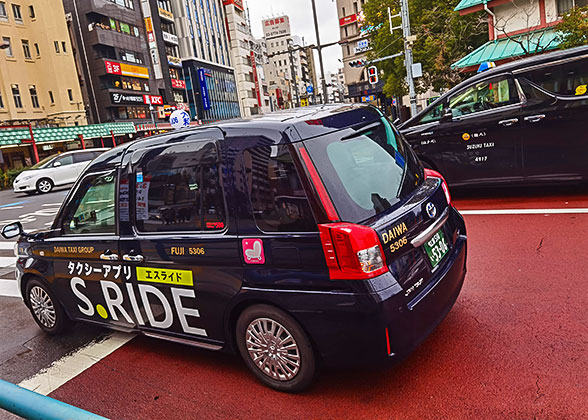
(211, 86)
(38, 78)
(276, 32)
(516, 28)
(111, 51)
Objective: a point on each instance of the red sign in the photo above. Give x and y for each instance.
(271, 22)
(178, 84)
(348, 19)
(153, 99)
(238, 3)
(112, 67)
(255, 78)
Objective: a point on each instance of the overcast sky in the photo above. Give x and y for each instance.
(302, 24)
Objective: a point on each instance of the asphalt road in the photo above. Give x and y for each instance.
(514, 346)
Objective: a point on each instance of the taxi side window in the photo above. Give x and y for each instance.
(92, 208)
(63, 160)
(483, 96)
(570, 79)
(277, 196)
(178, 189)
(433, 115)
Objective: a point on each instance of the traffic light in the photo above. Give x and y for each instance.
(357, 63)
(373, 75)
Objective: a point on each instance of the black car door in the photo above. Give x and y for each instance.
(183, 249)
(555, 145)
(481, 142)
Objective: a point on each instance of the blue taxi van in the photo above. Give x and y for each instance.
(308, 237)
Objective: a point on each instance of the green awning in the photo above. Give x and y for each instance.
(466, 4)
(505, 48)
(11, 136)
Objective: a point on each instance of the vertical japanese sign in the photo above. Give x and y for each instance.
(255, 78)
(203, 89)
(141, 196)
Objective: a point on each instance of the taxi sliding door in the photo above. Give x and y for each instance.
(482, 141)
(183, 252)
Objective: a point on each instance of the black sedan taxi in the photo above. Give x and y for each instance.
(521, 122)
(293, 238)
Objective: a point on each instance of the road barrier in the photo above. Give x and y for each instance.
(33, 406)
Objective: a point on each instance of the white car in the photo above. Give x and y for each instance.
(54, 171)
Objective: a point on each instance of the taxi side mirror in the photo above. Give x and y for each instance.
(12, 230)
(447, 115)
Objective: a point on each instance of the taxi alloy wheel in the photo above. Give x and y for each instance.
(46, 310)
(275, 348)
(44, 185)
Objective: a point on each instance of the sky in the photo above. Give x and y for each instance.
(302, 24)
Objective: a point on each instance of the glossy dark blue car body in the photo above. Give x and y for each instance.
(347, 321)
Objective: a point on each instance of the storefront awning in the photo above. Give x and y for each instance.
(11, 136)
(511, 47)
(466, 4)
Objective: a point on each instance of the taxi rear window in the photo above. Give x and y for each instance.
(178, 189)
(367, 171)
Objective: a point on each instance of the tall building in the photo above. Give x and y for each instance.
(110, 44)
(211, 86)
(354, 38)
(276, 32)
(38, 78)
(259, 47)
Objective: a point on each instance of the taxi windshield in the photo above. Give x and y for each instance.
(365, 171)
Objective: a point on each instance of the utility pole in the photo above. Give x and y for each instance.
(320, 54)
(408, 40)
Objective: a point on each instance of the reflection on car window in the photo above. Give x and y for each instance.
(93, 207)
(179, 189)
(64, 160)
(433, 115)
(278, 198)
(483, 96)
(570, 79)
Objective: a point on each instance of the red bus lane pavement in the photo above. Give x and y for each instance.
(514, 346)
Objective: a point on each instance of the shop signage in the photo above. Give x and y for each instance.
(167, 37)
(255, 78)
(150, 33)
(124, 69)
(178, 84)
(362, 46)
(175, 61)
(165, 14)
(126, 99)
(153, 99)
(276, 27)
(347, 20)
(203, 89)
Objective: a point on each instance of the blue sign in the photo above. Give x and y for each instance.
(203, 89)
(309, 89)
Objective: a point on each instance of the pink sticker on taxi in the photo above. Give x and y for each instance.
(253, 251)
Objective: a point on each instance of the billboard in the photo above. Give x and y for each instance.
(203, 89)
(124, 69)
(276, 27)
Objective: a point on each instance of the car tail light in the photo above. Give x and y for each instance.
(352, 252)
(429, 173)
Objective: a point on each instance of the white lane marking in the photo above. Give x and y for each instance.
(7, 262)
(7, 245)
(9, 288)
(51, 204)
(68, 367)
(525, 211)
(11, 207)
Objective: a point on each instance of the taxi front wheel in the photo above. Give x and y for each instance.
(47, 311)
(275, 348)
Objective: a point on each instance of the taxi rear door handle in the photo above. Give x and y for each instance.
(133, 258)
(108, 256)
(508, 123)
(427, 134)
(535, 118)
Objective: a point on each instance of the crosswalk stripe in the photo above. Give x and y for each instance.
(7, 245)
(9, 288)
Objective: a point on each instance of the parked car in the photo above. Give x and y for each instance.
(54, 171)
(521, 122)
(295, 237)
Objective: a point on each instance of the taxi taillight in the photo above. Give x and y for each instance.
(352, 252)
(430, 173)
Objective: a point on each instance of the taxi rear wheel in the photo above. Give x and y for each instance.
(275, 348)
(46, 310)
(44, 185)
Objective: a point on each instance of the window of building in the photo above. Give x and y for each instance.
(16, 96)
(355, 7)
(37, 50)
(93, 207)
(8, 49)
(32, 12)
(1, 100)
(70, 95)
(16, 13)
(3, 14)
(51, 98)
(34, 96)
(348, 50)
(26, 49)
(56, 45)
(63, 47)
(184, 191)
(564, 6)
(343, 11)
(277, 196)
(346, 31)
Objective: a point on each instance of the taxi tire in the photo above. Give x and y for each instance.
(62, 321)
(307, 358)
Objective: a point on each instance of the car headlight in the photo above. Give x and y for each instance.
(23, 178)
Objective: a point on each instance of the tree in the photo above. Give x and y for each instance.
(574, 28)
(443, 37)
